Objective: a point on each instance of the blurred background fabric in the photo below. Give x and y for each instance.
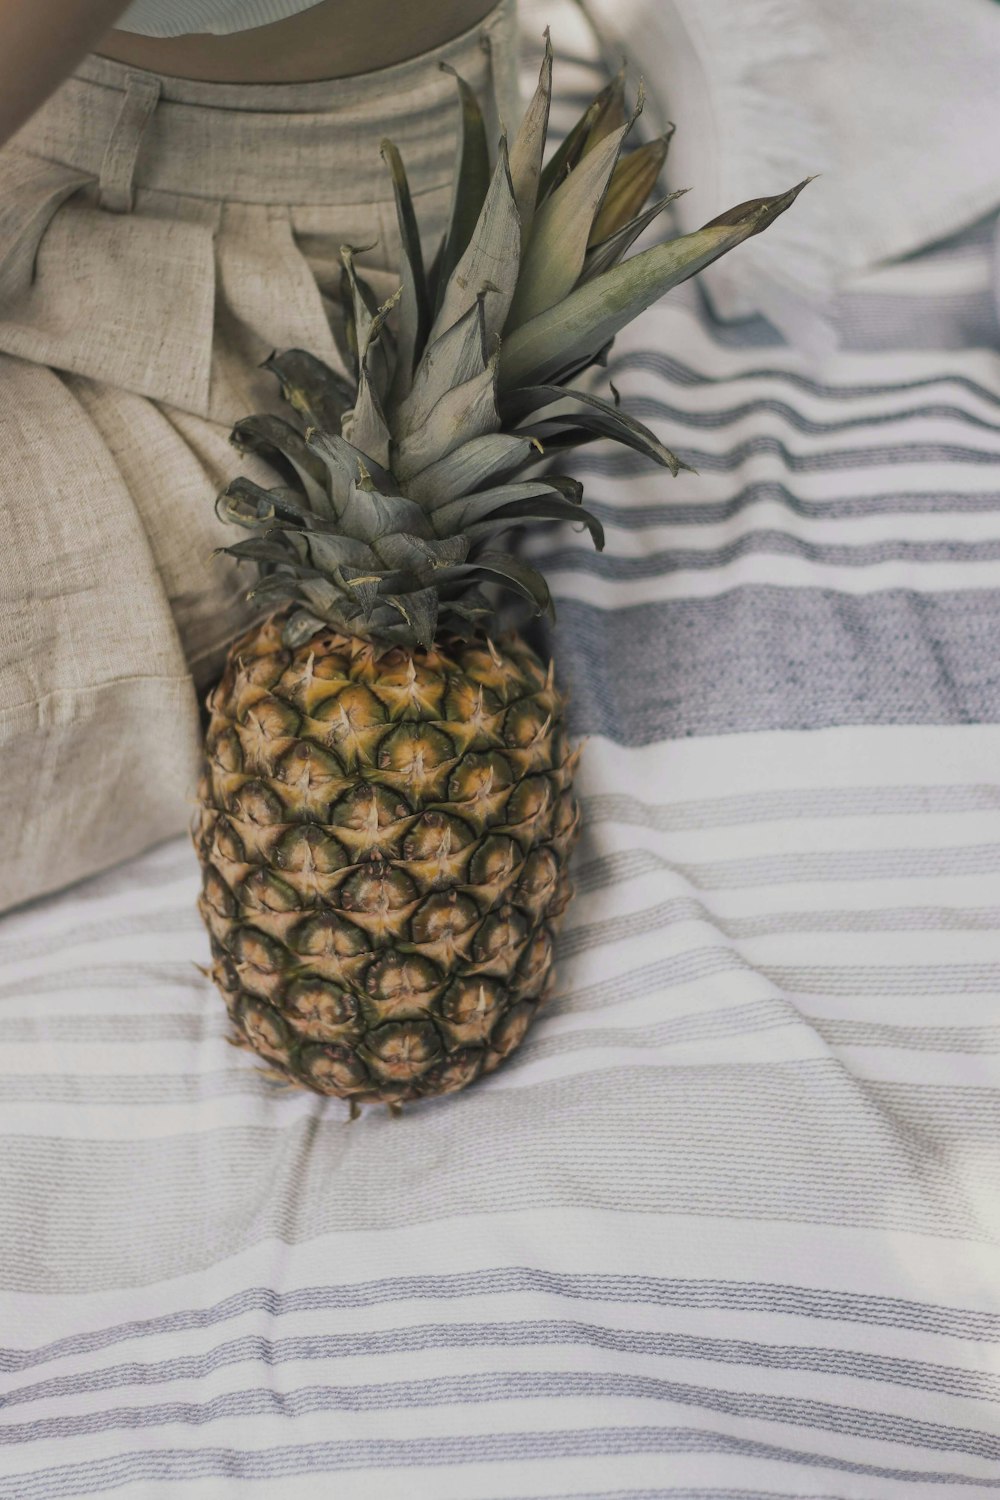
(727, 1224)
(895, 105)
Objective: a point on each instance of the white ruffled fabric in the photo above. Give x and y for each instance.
(896, 107)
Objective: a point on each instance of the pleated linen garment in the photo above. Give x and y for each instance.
(158, 239)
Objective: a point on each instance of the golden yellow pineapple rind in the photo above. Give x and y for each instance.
(384, 838)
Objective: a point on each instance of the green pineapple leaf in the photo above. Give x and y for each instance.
(367, 426)
(560, 433)
(606, 420)
(459, 514)
(285, 449)
(611, 114)
(467, 410)
(261, 549)
(495, 455)
(420, 612)
(312, 388)
(414, 306)
(529, 144)
(423, 554)
(369, 514)
(554, 257)
(490, 262)
(393, 526)
(607, 253)
(300, 627)
(459, 355)
(344, 462)
(632, 181)
(511, 573)
(567, 154)
(555, 508)
(469, 188)
(583, 323)
(250, 505)
(330, 552)
(363, 311)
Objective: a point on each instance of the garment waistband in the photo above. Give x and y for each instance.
(302, 143)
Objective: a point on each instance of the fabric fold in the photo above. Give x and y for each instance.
(31, 192)
(123, 298)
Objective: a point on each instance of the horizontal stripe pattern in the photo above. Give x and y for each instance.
(421, 1454)
(726, 1225)
(639, 1292)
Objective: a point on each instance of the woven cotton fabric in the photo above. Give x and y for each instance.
(158, 239)
(725, 1227)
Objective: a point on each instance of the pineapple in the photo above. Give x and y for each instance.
(386, 812)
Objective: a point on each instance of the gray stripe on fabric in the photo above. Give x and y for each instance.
(621, 464)
(762, 657)
(869, 1309)
(128, 975)
(206, 1025)
(664, 974)
(471, 1388)
(145, 1090)
(738, 1020)
(964, 244)
(584, 937)
(753, 332)
(885, 979)
(654, 409)
(900, 799)
(542, 1333)
(967, 1039)
(879, 320)
(656, 362)
(712, 960)
(176, 919)
(176, 1464)
(156, 1091)
(689, 1492)
(173, 1205)
(824, 865)
(646, 513)
(764, 542)
(109, 1030)
(897, 321)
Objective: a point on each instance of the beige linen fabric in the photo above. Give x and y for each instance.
(158, 239)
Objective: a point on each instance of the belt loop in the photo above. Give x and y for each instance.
(499, 40)
(118, 166)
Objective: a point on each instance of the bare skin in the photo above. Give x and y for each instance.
(40, 44)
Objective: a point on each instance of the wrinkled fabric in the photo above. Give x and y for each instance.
(726, 1223)
(158, 239)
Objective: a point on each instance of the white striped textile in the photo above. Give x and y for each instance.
(726, 1227)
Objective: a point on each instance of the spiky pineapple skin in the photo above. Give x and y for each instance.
(384, 838)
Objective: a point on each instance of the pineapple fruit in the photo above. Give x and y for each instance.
(386, 812)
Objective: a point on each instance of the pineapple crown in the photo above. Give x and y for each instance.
(394, 496)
